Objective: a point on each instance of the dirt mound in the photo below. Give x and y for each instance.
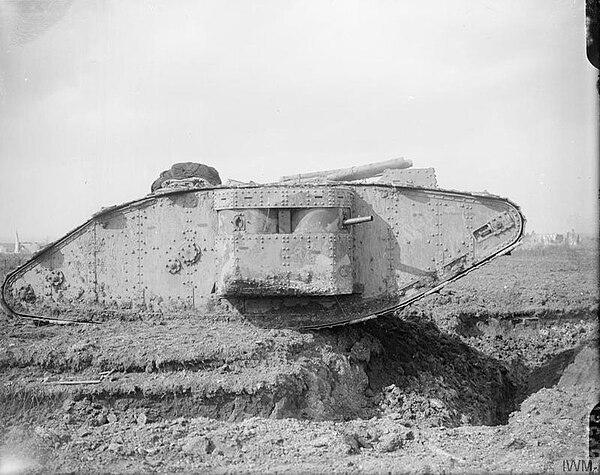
(476, 379)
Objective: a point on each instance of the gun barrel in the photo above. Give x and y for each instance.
(357, 220)
(352, 173)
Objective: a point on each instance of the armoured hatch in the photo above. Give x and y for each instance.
(284, 241)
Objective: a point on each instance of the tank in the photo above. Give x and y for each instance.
(311, 251)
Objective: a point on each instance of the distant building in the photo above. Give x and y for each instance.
(20, 247)
(7, 247)
(573, 239)
(534, 239)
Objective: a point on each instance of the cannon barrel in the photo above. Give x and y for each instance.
(352, 173)
(357, 220)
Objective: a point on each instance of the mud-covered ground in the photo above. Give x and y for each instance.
(497, 373)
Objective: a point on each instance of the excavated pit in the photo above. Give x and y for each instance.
(403, 367)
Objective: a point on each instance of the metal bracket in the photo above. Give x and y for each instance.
(495, 226)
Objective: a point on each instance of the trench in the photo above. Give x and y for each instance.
(539, 351)
(406, 368)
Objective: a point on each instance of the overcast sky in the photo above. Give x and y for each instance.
(97, 97)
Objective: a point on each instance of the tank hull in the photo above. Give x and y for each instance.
(277, 254)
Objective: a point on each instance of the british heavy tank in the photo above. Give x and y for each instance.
(311, 251)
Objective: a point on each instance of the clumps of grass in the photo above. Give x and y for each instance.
(146, 348)
(50, 355)
(18, 399)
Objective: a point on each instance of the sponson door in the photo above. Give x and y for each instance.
(284, 241)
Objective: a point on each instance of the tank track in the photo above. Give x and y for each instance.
(390, 310)
(339, 323)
